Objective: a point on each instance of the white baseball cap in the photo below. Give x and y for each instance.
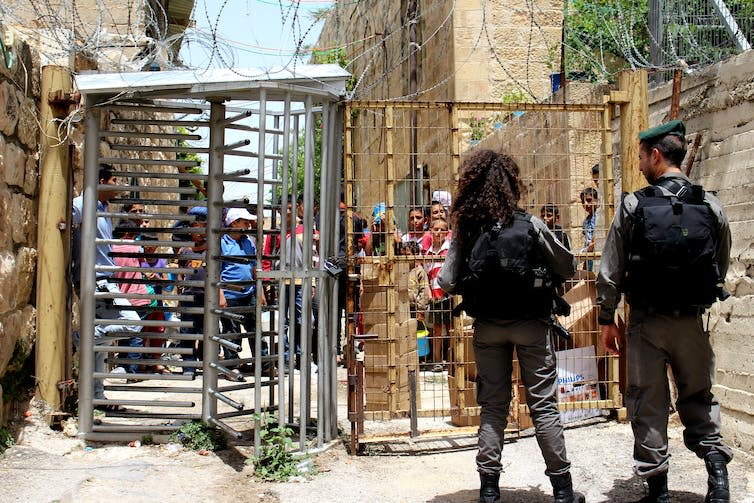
(234, 214)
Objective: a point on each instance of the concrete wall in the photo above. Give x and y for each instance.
(718, 104)
(19, 136)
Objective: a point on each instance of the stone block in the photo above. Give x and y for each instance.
(31, 174)
(9, 108)
(27, 129)
(17, 336)
(24, 219)
(7, 281)
(26, 265)
(6, 222)
(15, 164)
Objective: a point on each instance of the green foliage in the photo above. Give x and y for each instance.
(517, 95)
(6, 440)
(147, 439)
(478, 127)
(597, 32)
(198, 435)
(189, 156)
(275, 461)
(334, 56)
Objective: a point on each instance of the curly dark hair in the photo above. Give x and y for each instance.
(488, 191)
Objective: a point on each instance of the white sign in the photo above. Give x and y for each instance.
(577, 382)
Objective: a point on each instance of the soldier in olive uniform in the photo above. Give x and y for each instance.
(668, 251)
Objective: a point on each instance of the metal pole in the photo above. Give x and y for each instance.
(88, 279)
(258, 340)
(336, 161)
(731, 25)
(324, 283)
(306, 284)
(655, 22)
(211, 292)
(280, 318)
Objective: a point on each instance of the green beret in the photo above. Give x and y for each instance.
(675, 128)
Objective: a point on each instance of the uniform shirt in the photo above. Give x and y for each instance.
(233, 271)
(104, 231)
(617, 246)
(559, 260)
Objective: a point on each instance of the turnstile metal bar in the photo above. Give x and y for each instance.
(247, 412)
(252, 129)
(167, 377)
(150, 162)
(148, 136)
(154, 389)
(145, 107)
(136, 428)
(146, 188)
(157, 148)
(149, 350)
(253, 155)
(164, 176)
(142, 296)
(177, 270)
(140, 323)
(225, 427)
(227, 400)
(144, 403)
(159, 122)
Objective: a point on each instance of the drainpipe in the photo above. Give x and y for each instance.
(54, 173)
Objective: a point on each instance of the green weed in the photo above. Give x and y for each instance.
(6, 440)
(275, 462)
(198, 435)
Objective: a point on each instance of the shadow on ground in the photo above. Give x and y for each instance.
(530, 495)
(633, 489)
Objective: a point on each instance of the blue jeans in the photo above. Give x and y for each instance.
(197, 328)
(249, 324)
(296, 289)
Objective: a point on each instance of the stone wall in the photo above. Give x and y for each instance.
(19, 136)
(459, 52)
(718, 104)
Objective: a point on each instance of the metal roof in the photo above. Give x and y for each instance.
(325, 80)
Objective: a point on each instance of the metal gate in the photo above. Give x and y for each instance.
(414, 362)
(267, 143)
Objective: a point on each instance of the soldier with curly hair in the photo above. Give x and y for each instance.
(508, 317)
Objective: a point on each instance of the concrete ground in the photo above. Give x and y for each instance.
(48, 466)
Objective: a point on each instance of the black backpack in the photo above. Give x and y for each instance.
(672, 259)
(505, 276)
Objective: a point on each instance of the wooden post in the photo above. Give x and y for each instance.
(634, 117)
(52, 288)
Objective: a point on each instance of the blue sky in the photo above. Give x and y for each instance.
(254, 34)
(262, 33)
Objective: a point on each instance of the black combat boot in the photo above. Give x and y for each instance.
(562, 489)
(718, 490)
(658, 490)
(490, 491)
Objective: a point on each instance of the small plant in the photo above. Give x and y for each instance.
(478, 127)
(275, 461)
(198, 435)
(6, 440)
(147, 440)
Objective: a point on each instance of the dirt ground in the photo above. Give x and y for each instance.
(48, 466)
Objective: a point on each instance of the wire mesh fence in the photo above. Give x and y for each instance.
(401, 167)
